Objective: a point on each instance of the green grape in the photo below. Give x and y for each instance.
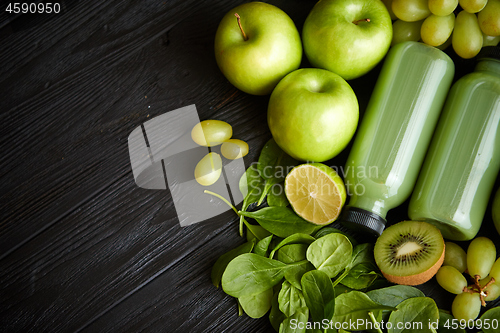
(403, 31)
(455, 256)
(211, 133)
(388, 5)
(234, 148)
(451, 279)
(489, 18)
(472, 6)
(490, 41)
(442, 7)
(445, 44)
(467, 38)
(466, 306)
(493, 289)
(208, 169)
(495, 270)
(437, 29)
(481, 256)
(410, 10)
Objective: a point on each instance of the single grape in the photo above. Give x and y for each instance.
(491, 41)
(489, 18)
(445, 44)
(467, 38)
(211, 133)
(455, 256)
(451, 279)
(410, 10)
(403, 31)
(481, 256)
(388, 5)
(495, 270)
(437, 29)
(466, 306)
(208, 169)
(234, 148)
(442, 7)
(493, 289)
(472, 6)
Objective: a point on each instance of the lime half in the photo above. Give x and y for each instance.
(316, 192)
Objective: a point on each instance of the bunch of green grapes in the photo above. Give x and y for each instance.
(477, 23)
(479, 262)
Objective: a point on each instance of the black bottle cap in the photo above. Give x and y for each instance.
(362, 220)
(489, 52)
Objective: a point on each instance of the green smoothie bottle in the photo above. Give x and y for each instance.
(459, 171)
(394, 133)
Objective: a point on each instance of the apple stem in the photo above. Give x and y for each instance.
(363, 20)
(241, 28)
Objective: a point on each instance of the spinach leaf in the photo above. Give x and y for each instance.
(274, 164)
(331, 230)
(276, 317)
(256, 306)
(252, 188)
(290, 299)
(446, 324)
(492, 317)
(262, 247)
(293, 239)
(296, 323)
(250, 274)
(281, 221)
(392, 296)
(221, 263)
(293, 253)
(277, 196)
(330, 254)
(420, 311)
(362, 270)
(319, 295)
(354, 306)
(255, 231)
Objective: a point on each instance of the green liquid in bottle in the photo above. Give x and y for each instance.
(457, 178)
(395, 132)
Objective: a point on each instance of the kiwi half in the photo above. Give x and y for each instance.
(409, 252)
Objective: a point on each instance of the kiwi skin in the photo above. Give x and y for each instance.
(420, 278)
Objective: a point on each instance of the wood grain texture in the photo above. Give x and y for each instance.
(82, 248)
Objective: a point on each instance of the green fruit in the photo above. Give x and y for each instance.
(495, 270)
(481, 256)
(451, 279)
(211, 133)
(466, 306)
(492, 290)
(455, 256)
(347, 37)
(208, 169)
(312, 114)
(272, 48)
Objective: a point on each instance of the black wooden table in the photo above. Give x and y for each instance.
(82, 247)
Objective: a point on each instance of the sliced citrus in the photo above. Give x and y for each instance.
(316, 192)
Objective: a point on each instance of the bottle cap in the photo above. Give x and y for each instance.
(489, 52)
(362, 220)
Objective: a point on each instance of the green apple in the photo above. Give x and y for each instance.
(256, 45)
(347, 37)
(495, 211)
(312, 114)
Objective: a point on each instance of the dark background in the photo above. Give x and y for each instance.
(82, 248)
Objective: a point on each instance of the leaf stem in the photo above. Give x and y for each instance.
(336, 282)
(375, 322)
(238, 18)
(433, 329)
(223, 199)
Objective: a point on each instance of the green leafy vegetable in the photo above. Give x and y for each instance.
(250, 274)
(294, 253)
(255, 231)
(277, 196)
(276, 317)
(492, 316)
(293, 239)
(252, 188)
(221, 263)
(330, 254)
(446, 324)
(281, 221)
(392, 296)
(296, 323)
(262, 247)
(331, 230)
(421, 310)
(290, 299)
(256, 306)
(319, 295)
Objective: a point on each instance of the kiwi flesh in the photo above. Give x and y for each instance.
(409, 252)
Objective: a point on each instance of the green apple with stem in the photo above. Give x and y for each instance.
(256, 45)
(347, 37)
(312, 114)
